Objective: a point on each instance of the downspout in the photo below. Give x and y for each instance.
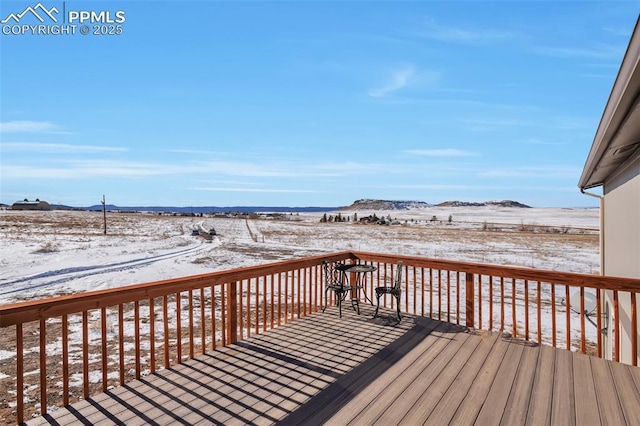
(607, 330)
(601, 198)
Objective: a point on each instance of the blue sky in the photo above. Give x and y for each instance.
(309, 103)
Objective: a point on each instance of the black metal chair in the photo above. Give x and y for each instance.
(335, 280)
(395, 290)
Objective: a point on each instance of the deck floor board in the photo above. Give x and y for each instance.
(323, 369)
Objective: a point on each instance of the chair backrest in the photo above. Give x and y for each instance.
(398, 280)
(331, 274)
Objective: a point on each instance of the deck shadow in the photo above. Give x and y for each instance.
(331, 399)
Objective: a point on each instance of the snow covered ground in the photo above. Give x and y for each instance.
(44, 254)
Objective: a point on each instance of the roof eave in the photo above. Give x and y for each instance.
(622, 98)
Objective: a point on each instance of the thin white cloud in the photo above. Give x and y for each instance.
(27, 126)
(413, 186)
(52, 148)
(619, 31)
(446, 152)
(256, 190)
(85, 169)
(433, 30)
(532, 172)
(191, 151)
(398, 80)
(479, 124)
(600, 51)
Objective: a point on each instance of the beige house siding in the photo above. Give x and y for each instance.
(622, 223)
(622, 259)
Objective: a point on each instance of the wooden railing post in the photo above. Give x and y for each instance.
(232, 312)
(470, 311)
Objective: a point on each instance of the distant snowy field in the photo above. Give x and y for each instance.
(45, 254)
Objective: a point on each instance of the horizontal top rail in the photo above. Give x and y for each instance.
(34, 310)
(27, 311)
(568, 278)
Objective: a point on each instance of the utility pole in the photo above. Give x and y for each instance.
(104, 212)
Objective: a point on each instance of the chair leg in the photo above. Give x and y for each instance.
(355, 304)
(326, 299)
(377, 305)
(398, 307)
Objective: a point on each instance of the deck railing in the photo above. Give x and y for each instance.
(71, 347)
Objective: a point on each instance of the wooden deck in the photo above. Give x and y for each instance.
(358, 370)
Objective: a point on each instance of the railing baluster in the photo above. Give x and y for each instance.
(248, 281)
(490, 302)
(43, 367)
(271, 287)
(85, 354)
(616, 326)
(415, 290)
(553, 315)
(502, 303)
(567, 299)
(293, 296)
(430, 292)
(406, 289)
(583, 343)
(121, 341)
(634, 330)
(599, 322)
(303, 272)
(296, 273)
(213, 318)
(152, 334)
(191, 331)
(526, 309)
(165, 321)
(280, 298)
(232, 312)
(136, 321)
(469, 311)
(65, 360)
(480, 301)
(458, 297)
(378, 283)
(439, 294)
(178, 329)
(264, 303)
(103, 330)
(224, 293)
(19, 374)
(513, 307)
(241, 310)
(286, 297)
(421, 291)
(203, 324)
(257, 302)
(539, 313)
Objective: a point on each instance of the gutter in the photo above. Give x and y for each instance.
(601, 198)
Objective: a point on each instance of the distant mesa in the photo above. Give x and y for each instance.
(369, 204)
(503, 203)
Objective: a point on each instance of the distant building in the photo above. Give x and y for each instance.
(31, 205)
